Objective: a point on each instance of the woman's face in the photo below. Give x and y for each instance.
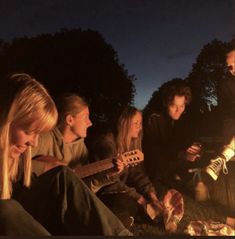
(21, 138)
(80, 123)
(136, 125)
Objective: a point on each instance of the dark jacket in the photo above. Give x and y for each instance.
(226, 95)
(163, 140)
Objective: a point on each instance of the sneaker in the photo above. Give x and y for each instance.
(215, 166)
(174, 210)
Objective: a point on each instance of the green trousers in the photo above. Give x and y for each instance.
(64, 205)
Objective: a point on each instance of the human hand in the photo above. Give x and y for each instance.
(193, 152)
(120, 166)
(156, 202)
(142, 201)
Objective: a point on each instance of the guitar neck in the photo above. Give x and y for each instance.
(93, 168)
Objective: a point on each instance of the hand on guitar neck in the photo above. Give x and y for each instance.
(131, 158)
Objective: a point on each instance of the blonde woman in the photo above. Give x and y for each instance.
(58, 200)
(128, 197)
(66, 140)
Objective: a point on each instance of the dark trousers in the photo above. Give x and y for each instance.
(64, 205)
(121, 204)
(222, 190)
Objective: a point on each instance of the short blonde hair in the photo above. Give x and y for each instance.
(24, 101)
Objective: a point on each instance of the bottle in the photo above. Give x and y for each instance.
(201, 190)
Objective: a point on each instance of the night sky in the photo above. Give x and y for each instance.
(156, 40)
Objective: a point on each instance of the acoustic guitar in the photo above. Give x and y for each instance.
(130, 158)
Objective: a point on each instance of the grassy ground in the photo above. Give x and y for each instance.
(215, 210)
(209, 210)
(193, 211)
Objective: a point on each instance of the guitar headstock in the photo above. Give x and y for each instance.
(132, 158)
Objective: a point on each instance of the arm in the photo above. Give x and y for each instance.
(140, 181)
(159, 146)
(42, 164)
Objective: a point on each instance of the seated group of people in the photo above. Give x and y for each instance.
(49, 196)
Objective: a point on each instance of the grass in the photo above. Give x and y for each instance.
(193, 210)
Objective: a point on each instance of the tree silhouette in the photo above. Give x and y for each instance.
(206, 74)
(204, 79)
(76, 61)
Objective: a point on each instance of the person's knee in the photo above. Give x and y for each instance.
(68, 176)
(14, 220)
(9, 207)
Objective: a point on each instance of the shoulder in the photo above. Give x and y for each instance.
(228, 80)
(50, 138)
(78, 143)
(156, 117)
(46, 137)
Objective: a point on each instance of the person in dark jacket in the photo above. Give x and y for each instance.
(221, 185)
(226, 95)
(166, 144)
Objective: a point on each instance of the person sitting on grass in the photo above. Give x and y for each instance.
(220, 188)
(66, 142)
(167, 145)
(55, 203)
(133, 197)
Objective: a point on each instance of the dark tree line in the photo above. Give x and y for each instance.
(76, 61)
(208, 71)
(80, 61)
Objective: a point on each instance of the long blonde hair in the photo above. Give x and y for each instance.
(124, 140)
(23, 101)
